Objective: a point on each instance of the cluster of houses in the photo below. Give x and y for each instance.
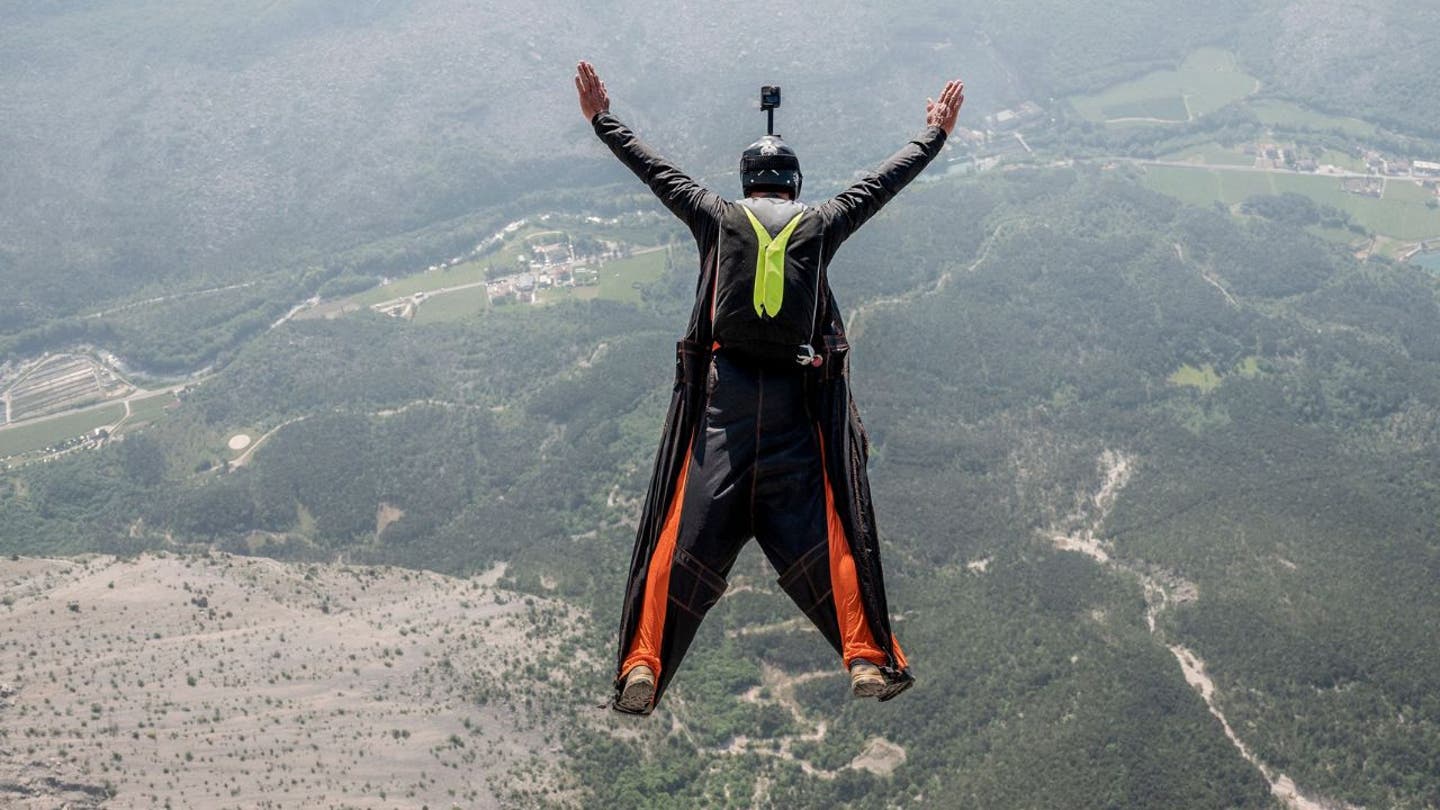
(1367, 183)
(1014, 117)
(1380, 163)
(551, 264)
(542, 265)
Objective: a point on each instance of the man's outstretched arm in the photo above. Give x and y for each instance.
(850, 209)
(692, 203)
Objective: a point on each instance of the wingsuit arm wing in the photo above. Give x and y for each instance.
(851, 208)
(695, 205)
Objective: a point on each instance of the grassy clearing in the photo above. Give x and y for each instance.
(619, 277)
(554, 294)
(1343, 160)
(1397, 218)
(1207, 379)
(1241, 186)
(1402, 218)
(27, 438)
(1207, 80)
(149, 408)
(1170, 108)
(1285, 115)
(466, 273)
(1403, 191)
(1204, 378)
(1343, 236)
(1212, 154)
(453, 306)
(1194, 186)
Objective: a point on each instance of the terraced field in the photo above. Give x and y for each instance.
(58, 383)
(59, 431)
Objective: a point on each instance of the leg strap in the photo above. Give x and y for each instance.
(807, 582)
(694, 588)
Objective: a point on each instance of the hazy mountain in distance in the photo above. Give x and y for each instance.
(152, 145)
(145, 143)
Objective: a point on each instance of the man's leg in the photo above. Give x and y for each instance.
(708, 523)
(801, 533)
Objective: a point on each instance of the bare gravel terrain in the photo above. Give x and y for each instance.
(220, 681)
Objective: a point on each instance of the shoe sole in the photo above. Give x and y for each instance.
(868, 687)
(636, 697)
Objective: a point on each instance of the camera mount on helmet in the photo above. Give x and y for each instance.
(769, 164)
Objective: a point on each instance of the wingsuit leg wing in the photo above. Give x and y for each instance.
(852, 536)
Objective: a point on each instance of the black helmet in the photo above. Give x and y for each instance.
(770, 163)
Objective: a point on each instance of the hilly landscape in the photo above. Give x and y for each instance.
(335, 352)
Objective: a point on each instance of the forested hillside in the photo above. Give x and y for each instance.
(148, 151)
(1375, 60)
(1273, 493)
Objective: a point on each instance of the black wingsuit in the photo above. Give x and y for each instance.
(757, 444)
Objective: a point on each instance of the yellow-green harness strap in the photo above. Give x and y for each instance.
(770, 265)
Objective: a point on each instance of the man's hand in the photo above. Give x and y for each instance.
(593, 98)
(942, 113)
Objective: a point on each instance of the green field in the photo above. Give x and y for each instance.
(26, 438)
(1208, 79)
(1343, 160)
(1429, 261)
(465, 273)
(1212, 154)
(567, 293)
(1342, 236)
(1169, 108)
(1283, 114)
(1398, 215)
(149, 408)
(1405, 191)
(453, 306)
(619, 276)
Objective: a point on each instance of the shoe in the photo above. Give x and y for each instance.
(866, 679)
(638, 690)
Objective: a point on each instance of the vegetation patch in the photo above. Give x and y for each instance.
(620, 279)
(1287, 115)
(1400, 216)
(472, 272)
(1170, 109)
(453, 306)
(1205, 377)
(1212, 154)
(1207, 80)
(148, 409)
